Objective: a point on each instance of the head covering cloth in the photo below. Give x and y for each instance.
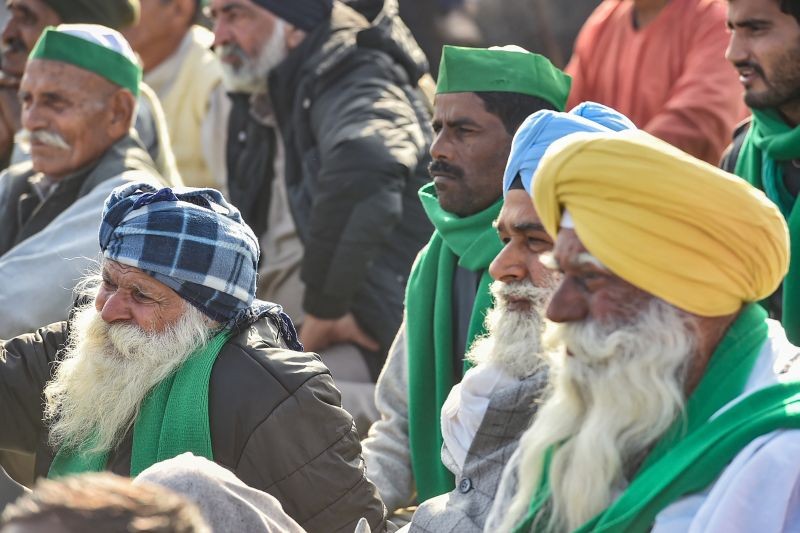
(191, 240)
(303, 14)
(116, 14)
(542, 128)
(674, 226)
(97, 49)
(508, 69)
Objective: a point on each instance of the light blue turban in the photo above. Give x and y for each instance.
(542, 128)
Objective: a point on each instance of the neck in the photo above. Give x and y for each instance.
(710, 331)
(645, 11)
(156, 52)
(790, 113)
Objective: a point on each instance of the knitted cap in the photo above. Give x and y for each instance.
(305, 14)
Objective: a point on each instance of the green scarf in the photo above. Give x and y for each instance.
(472, 243)
(695, 450)
(770, 142)
(173, 419)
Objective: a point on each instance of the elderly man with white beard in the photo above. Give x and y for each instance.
(487, 412)
(674, 402)
(176, 355)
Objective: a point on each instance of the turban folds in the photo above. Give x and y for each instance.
(191, 240)
(544, 127)
(672, 225)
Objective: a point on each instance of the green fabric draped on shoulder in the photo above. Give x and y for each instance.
(769, 142)
(173, 419)
(697, 448)
(470, 242)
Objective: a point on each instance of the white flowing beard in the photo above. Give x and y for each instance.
(107, 371)
(513, 339)
(251, 74)
(618, 391)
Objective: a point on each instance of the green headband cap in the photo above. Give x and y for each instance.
(475, 70)
(113, 66)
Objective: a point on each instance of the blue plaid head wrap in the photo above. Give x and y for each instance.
(191, 240)
(542, 128)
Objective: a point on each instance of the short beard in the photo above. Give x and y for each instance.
(783, 86)
(107, 371)
(513, 340)
(611, 399)
(251, 75)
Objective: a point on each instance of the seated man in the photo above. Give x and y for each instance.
(484, 416)
(671, 391)
(27, 20)
(78, 115)
(175, 355)
(186, 75)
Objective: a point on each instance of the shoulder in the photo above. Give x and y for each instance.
(258, 355)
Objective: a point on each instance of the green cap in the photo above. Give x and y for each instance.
(94, 48)
(509, 69)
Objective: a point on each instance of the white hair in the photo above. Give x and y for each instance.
(514, 338)
(615, 389)
(107, 371)
(251, 75)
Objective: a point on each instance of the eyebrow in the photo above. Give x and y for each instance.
(521, 227)
(751, 23)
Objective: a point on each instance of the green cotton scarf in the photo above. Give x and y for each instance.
(470, 242)
(173, 419)
(697, 448)
(770, 141)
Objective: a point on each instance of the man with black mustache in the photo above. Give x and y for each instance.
(483, 95)
(765, 49)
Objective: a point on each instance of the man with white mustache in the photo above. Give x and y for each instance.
(173, 355)
(674, 401)
(77, 116)
(487, 412)
(327, 147)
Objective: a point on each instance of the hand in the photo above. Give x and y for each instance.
(319, 333)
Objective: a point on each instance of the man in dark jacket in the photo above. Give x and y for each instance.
(176, 355)
(327, 148)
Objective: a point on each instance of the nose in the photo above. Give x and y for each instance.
(736, 51)
(508, 266)
(222, 33)
(568, 304)
(112, 307)
(10, 30)
(31, 117)
(440, 147)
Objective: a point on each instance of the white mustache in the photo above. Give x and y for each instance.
(50, 138)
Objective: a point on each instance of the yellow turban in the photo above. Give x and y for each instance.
(681, 229)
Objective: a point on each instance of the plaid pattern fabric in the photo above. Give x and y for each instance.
(192, 240)
(465, 509)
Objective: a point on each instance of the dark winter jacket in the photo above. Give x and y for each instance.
(356, 130)
(275, 417)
